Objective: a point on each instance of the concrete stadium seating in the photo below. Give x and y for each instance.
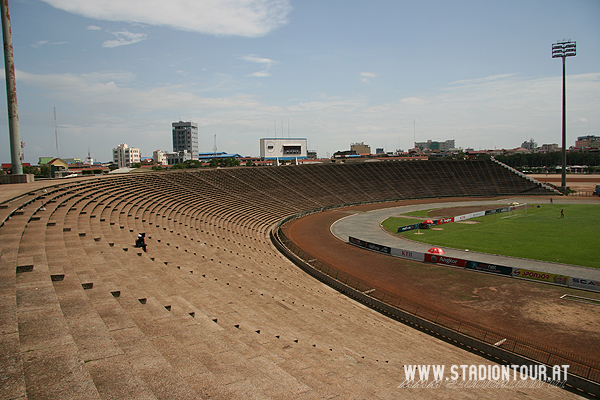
(212, 310)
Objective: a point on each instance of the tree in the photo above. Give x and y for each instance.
(136, 165)
(157, 168)
(229, 162)
(31, 170)
(249, 163)
(549, 160)
(192, 164)
(178, 166)
(45, 171)
(224, 162)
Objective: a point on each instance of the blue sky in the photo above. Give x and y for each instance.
(335, 72)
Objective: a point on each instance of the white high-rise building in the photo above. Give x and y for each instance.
(185, 137)
(125, 156)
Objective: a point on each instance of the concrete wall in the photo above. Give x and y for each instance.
(23, 178)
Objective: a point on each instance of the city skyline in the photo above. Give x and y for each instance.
(384, 73)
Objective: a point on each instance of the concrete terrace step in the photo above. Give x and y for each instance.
(212, 309)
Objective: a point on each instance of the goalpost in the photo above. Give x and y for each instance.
(517, 210)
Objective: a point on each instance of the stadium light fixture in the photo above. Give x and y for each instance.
(564, 50)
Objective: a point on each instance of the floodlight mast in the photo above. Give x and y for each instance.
(564, 50)
(11, 92)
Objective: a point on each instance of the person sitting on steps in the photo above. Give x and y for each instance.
(140, 242)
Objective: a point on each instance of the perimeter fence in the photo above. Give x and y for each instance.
(503, 345)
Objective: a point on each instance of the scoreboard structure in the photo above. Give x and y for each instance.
(283, 149)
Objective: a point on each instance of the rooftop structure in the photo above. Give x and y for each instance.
(222, 154)
(283, 149)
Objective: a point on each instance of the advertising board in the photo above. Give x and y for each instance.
(540, 276)
(492, 268)
(408, 228)
(455, 219)
(369, 245)
(584, 284)
(444, 221)
(412, 255)
(497, 210)
(452, 262)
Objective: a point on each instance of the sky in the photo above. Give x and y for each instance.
(382, 72)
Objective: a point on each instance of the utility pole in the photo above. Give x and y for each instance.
(11, 93)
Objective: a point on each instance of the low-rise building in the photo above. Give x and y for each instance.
(549, 148)
(159, 157)
(587, 141)
(432, 145)
(530, 145)
(219, 155)
(177, 157)
(361, 149)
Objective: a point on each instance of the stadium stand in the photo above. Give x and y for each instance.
(212, 310)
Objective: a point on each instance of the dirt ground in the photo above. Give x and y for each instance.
(580, 183)
(526, 309)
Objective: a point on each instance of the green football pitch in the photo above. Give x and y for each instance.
(540, 235)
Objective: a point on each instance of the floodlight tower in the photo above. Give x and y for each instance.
(564, 50)
(11, 92)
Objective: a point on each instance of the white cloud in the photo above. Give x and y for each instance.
(415, 101)
(45, 42)
(481, 80)
(93, 28)
(124, 38)
(256, 59)
(267, 62)
(366, 76)
(251, 18)
(111, 93)
(39, 43)
(492, 113)
(260, 74)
